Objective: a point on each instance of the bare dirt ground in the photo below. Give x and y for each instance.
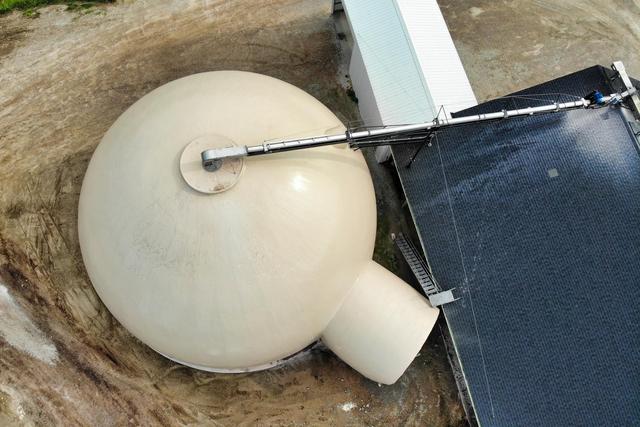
(64, 78)
(510, 45)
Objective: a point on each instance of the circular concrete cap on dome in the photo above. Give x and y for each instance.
(225, 176)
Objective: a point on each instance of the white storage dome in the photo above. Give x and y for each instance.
(237, 269)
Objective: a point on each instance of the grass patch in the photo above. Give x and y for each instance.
(29, 6)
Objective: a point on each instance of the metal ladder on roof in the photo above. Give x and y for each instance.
(420, 269)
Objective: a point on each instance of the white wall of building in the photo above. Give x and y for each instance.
(367, 103)
(392, 69)
(404, 65)
(436, 53)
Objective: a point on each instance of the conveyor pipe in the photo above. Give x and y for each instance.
(213, 158)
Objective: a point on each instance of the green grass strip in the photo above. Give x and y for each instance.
(9, 5)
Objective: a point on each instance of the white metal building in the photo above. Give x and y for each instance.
(404, 66)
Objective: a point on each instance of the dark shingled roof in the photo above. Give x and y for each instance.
(536, 223)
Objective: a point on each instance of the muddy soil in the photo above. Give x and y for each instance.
(64, 78)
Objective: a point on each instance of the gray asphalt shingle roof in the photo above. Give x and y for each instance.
(536, 223)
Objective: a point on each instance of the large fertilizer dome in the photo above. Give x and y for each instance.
(236, 269)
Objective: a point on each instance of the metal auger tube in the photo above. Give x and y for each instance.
(212, 159)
